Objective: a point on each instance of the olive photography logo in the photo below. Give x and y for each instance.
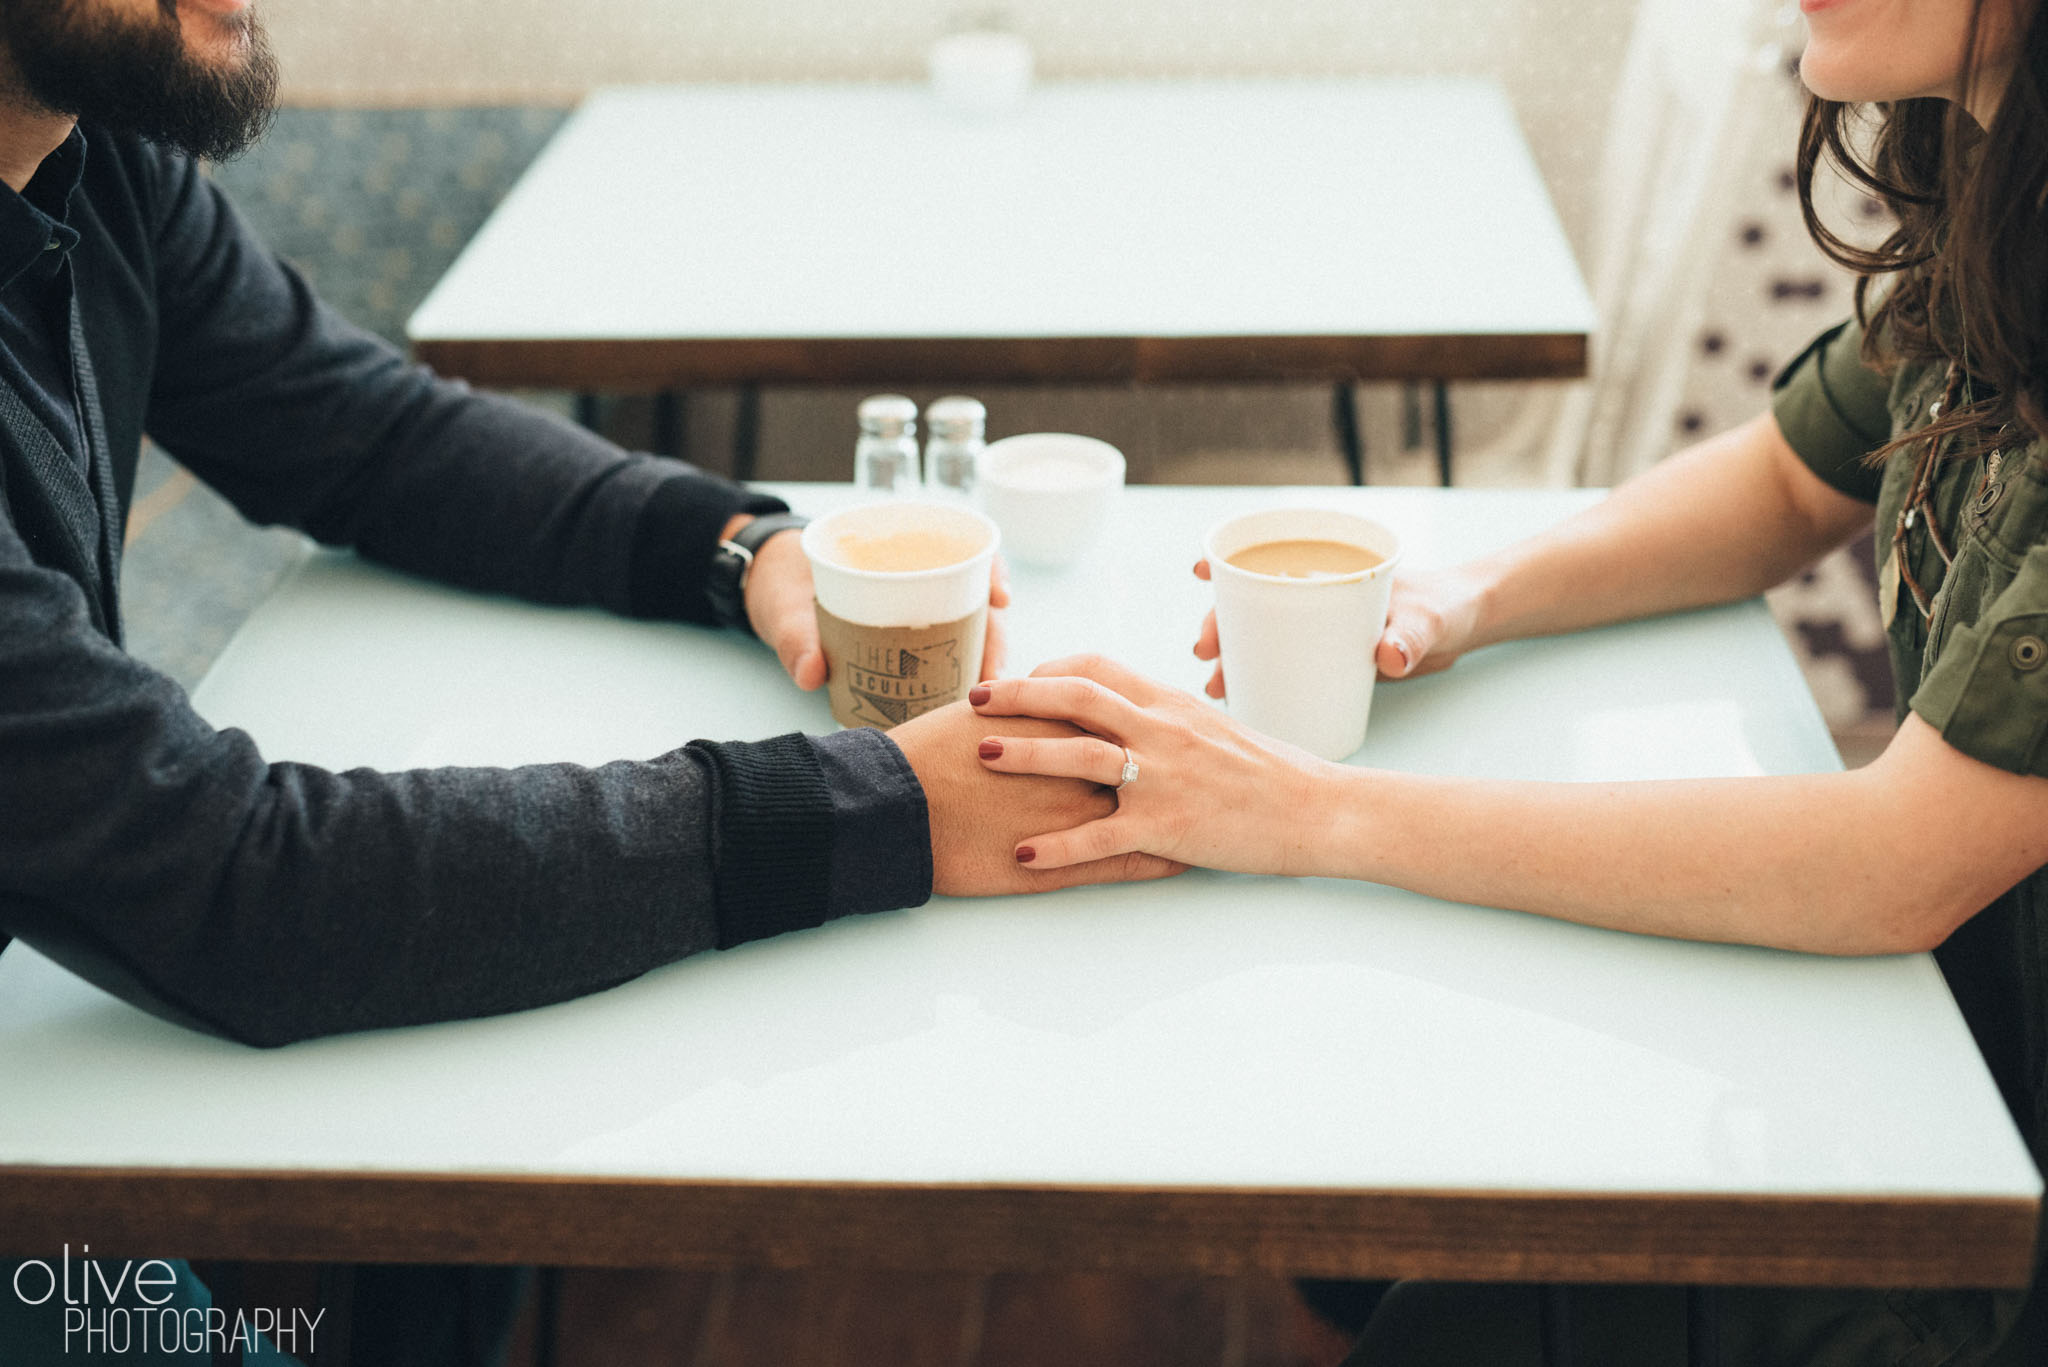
(142, 1307)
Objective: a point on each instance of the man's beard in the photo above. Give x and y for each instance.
(134, 75)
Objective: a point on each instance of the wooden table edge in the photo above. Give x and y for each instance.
(643, 364)
(599, 1221)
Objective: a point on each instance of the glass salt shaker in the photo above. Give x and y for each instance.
(885, 458)
(955, 429)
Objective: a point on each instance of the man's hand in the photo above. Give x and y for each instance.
(781, 610)
(979, 816)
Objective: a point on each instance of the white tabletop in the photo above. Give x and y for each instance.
(1208, 1031)
(1307, 209)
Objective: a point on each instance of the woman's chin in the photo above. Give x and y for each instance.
(1827, 80)
(1836, 76)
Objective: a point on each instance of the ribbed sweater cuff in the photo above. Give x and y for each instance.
(674, 539)
(772, 837)
(881, 826)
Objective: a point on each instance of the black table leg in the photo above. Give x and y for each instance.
(586, 410)
(1411, 415)
(1443, 432)
(337, 1302)
(547, 1294)
(1702, 1327)
(1344, 418)
(669, 413)
(746, 431)
(1554, 1323)
(224, 1281)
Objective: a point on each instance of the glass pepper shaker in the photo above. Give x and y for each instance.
(955, 435)
(885, 458)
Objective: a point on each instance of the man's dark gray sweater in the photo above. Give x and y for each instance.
(171, 863)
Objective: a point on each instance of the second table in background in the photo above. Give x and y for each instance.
(1330, 230)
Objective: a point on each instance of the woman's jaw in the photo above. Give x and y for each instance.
(1868, 51)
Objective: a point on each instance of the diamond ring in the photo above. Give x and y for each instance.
(1130, 773)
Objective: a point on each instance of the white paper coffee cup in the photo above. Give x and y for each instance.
(1050, 492)
(1298, 653)
(899, 643)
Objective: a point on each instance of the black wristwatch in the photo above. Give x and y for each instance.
(725, 586)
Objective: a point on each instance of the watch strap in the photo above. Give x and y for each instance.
(733, 561)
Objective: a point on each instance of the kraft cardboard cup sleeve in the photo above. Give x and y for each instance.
(1298, 653)
(900, 642)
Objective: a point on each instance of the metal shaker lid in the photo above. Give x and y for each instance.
(956, 417)
(887, 415)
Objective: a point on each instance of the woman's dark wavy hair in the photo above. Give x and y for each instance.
(1969, 255)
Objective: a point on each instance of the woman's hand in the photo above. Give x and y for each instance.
(978, 817)
(1431, 621)
(1208, 791)
(783, 613)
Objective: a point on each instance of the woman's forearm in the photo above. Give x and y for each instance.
(1720, 521)
(1888, 858)
(1801, 862)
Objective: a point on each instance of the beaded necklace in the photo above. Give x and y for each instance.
(1919, 507)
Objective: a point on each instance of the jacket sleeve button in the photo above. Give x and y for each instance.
(2028, 652)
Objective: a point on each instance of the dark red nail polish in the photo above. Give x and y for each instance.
(991, 749)
(978, 694)
(1025, 854)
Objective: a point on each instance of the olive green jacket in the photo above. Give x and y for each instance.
(1975, 668)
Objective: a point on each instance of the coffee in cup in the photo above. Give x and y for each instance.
(1304, 559)
(902, 598)
(918, 548)
(1301, 599)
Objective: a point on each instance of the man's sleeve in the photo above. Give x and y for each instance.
(172, 865)
(300, 418)
(1834, 410)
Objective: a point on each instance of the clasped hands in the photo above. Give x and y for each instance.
(977, 814)
(1209, 791)
(1021, 781)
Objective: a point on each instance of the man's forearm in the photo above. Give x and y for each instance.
(1717, 522)
(301, 418)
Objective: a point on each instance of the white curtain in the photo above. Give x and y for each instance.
(1687, 116)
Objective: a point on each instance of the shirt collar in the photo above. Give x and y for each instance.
(35, 223)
